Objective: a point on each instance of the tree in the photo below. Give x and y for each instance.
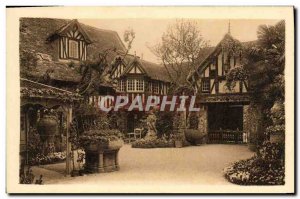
(94, 72)
(179, 51)
(266, 66)
(264, 69)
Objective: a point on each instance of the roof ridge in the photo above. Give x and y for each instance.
(104, 30)
(160, 65)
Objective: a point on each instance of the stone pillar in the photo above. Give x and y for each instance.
(101, 162)
(68, 143)
(179, 122)
(246, 125)
(203, 123)
(253, 124)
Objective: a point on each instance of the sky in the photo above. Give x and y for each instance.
(148, 32)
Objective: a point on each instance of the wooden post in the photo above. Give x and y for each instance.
(221, 137)
(68, 148)
(26, 135)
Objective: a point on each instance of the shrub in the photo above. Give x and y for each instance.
(27, 176)
(34, 145)
(41, 159)
(255, 172)
(194, 120)
(234, 75)
(164, 123)
(96, 136)
(266, 168)
(162, 142)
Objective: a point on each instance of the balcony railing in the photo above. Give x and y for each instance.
(227, 136)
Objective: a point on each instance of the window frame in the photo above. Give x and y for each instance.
(69, 49)
(155, 87)
(122, 85)
(205, 85)
(131, 85)
(139, 85)
(135, 85)
(212, 72)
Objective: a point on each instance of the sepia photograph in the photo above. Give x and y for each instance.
(193, 102)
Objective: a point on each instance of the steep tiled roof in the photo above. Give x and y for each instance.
(212, 50)
(34, 37)
(63, 30)
(56, 70)
(154, 71)
(158, 71)
(32, 89)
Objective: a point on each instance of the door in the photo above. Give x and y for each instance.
(130, 122)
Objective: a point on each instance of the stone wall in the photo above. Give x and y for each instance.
(252, 123)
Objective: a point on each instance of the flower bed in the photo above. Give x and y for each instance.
(99, 136)
(162, 142)
(51, 158)
(267, 168)
(255, 172)
(153, 143)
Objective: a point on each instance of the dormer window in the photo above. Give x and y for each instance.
(73, 41)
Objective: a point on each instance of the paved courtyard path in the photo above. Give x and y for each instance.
(190, 165)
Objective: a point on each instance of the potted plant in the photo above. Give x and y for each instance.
(195, 136)
(101, 149)
(47, 127)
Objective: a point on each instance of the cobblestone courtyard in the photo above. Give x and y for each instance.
(195, 164)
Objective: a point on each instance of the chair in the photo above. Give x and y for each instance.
(131, 137)
(138, 133)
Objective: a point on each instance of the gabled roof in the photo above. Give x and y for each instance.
(134, 62)
(73, 23)
(213, 52)
(152, 70)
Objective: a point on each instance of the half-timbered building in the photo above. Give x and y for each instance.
(138, 77)
(51, 51)
(223, 113)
